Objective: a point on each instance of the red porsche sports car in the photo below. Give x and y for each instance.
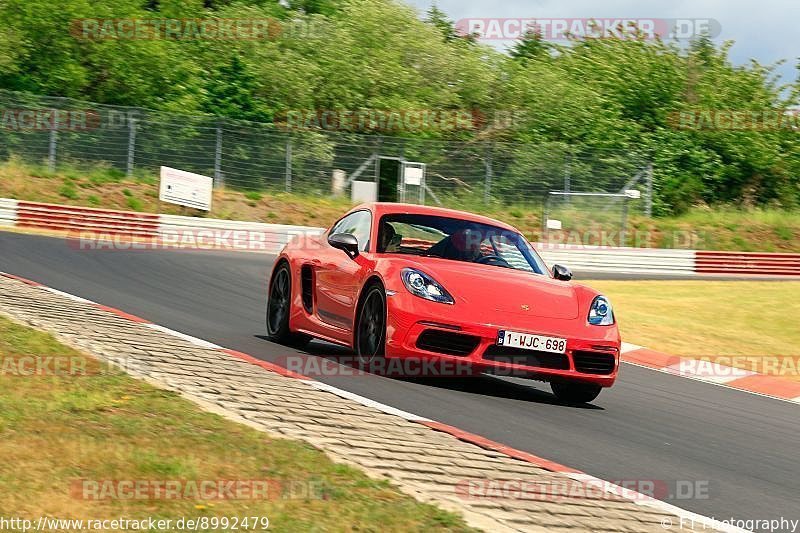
(406, 281)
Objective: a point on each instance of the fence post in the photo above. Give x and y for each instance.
(487, 186)
(622, 233)
(131, 145)
(218, 159)
(568, 172)
(648, 206)
(545, 215)
(378, 146)
(288, 164)
(51, 155)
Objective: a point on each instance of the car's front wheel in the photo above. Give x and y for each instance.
(279, 306)
(574, 392)
(370, 330)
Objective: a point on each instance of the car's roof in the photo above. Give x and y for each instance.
(387, 208)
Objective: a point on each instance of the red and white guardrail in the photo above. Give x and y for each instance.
(97, 228)
(69, 218)
(747, 263)
(209, 233)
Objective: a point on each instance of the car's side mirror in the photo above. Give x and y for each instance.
(562, 273)
(345, 242)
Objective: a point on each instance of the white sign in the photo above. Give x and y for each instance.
(364, 191)
(185, 188)
(633, 193)
(553, 224)
(413, 175)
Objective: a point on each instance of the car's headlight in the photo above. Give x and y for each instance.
(424, 286)
(600, 313)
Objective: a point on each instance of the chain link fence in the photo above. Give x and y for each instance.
(67, 133)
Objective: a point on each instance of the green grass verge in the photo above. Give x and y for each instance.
(100, 424)
(708, 318)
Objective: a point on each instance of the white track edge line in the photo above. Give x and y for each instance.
(629, 347)
(731, 372)
(68, 295)
(723, 385)
(194, 340)
(648, 501)
(367, 402)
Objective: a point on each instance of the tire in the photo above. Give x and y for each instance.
(574, 392)
(279, 305)
(369, 340)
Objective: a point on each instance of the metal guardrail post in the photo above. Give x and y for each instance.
(51, 155)
(218, 159)
(487, 186)
(289, 164)
(648, 205)
(622, 232)
(131, 145)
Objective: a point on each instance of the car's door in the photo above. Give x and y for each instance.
(338, 277)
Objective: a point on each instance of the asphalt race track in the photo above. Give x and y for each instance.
(650, 426)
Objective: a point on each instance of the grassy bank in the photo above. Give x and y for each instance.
(90, 422)
(701, 228)
(708, 318)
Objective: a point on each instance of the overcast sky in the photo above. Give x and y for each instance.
(767, 30)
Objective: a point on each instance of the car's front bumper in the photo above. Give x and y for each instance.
(592, 353)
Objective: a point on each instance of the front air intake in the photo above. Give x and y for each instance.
(593, 362)
(447, 342)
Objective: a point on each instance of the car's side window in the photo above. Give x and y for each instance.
(358, 224)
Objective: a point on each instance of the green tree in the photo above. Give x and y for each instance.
(532, 45)
(438, 19)
(229, 92)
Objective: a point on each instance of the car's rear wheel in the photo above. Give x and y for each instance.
(574, 392)
(370, 330)
(279, 306)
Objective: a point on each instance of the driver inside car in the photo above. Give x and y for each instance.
(389, 239)
(463, 245)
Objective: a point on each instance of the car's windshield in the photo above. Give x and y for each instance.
(457, 240)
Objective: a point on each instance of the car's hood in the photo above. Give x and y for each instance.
(503, 290)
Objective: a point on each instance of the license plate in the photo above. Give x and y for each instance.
(526, 341)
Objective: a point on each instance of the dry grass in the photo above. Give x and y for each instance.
(701, 228)
(99, 424)
(708, 318)
(109, 189)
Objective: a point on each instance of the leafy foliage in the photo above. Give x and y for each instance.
(593, 96)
